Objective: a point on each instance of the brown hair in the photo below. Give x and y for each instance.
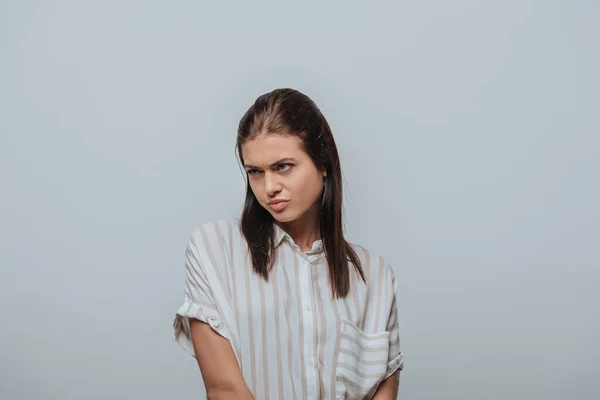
(287, 111)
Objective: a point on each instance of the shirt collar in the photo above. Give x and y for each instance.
(280, 234)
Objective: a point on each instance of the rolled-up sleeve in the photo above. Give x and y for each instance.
(199, 300)
(395, 356)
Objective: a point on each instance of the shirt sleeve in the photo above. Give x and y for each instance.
(199, 299)
(395, 356)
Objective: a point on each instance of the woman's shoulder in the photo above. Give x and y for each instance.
(375, 265)
(215, 231)
(210, 245)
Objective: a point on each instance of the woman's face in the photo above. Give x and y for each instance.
(280, 170)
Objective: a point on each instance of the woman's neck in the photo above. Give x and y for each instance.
(304, 231)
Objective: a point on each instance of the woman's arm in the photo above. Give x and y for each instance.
(388, 389)
(218, 365)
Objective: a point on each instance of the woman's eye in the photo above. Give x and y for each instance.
(283, 167)
(252, 172)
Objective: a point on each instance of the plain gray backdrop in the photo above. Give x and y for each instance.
(469, 137)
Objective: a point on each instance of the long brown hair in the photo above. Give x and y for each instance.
(290, 112)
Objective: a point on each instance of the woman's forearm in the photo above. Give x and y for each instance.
(237, 394)
(388, 389)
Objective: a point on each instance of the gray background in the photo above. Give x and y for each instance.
(469, 135)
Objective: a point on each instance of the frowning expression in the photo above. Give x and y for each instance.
(282, 176)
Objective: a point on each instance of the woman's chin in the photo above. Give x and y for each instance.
(284, 216)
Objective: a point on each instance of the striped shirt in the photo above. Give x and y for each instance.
(291, 338)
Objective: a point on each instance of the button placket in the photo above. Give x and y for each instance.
(306, 277)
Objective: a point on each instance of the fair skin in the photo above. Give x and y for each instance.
(388, 389)
(218, 365)
(278, 169)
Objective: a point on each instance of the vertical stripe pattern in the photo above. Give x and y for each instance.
(292, 340)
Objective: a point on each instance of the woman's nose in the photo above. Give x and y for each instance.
(272, 185)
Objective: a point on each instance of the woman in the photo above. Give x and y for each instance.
(278, 305)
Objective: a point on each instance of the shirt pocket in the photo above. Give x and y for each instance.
(361, 362)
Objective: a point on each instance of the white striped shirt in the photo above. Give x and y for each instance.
(291, 338)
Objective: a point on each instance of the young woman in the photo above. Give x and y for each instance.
(278, 305)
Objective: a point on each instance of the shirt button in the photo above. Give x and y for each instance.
(310, 362)
(307, 308)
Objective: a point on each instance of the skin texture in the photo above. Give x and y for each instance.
(388, 389)
(278, 168)
(218, 365)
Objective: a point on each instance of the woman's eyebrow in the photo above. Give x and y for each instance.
(274, 164)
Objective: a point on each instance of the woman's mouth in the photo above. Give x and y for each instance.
(278, 205)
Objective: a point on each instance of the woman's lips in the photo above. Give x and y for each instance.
(278, 205)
